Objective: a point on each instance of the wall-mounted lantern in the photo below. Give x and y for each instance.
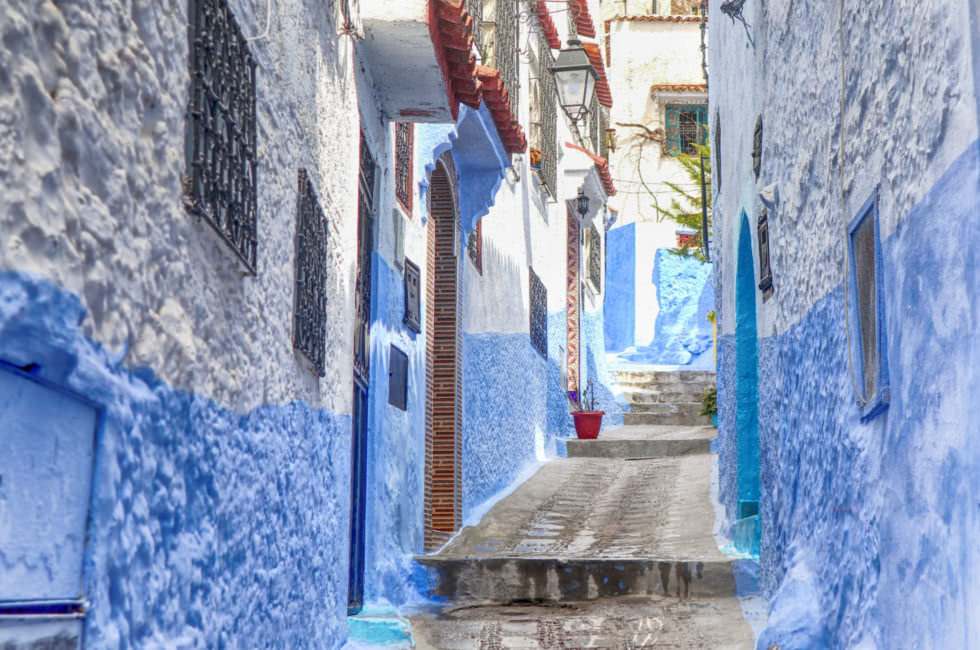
(582, 203)
(575, 80)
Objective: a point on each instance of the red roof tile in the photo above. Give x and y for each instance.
(583, 20)
(451, 31)
(602, 84)
(601, 165)
(656, 19)
(548, 26)
(675, 88)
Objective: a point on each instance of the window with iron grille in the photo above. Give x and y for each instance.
(685, 126)
(595, 258)
(538, 313)
(474, 246)
(546, 114)
(310, 310)
(475, 9)
(765, 270)
(404, 140)
(413, 296)
(507, 33)
(594, 134)
(220, 138)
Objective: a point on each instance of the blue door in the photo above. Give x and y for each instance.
(747, 394)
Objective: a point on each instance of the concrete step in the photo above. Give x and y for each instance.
(681, 393)
(587, 528)
(667, 408)
(644, 442)
(663, 379)
(675, 419)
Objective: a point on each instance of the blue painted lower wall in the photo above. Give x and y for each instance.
(870, 530)
(619, 300)
(210, 528)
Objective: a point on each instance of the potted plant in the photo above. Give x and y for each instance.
(588, 421)
(709, 404)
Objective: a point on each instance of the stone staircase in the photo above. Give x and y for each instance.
(626, 514)
(664, 397)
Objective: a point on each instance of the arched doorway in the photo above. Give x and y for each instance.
(746, 394)
(443, 376)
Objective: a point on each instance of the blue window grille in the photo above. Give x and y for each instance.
(684, 126)
(867, 310)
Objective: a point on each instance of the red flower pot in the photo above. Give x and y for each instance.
(587, 423)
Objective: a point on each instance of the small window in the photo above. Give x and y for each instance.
(310, 259)
(595, 258)
(404, 143)
(413, 299)
(867, 311)
(684, 127)
(765, 269)
(538, 313)
(397, 378)
(474, 246)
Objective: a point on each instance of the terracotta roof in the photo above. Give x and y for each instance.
(602, 91)
(497, 100)
(676, 88)
(601, 165)
(655, 19)
(548, 26)
(583, 21)
(451, 31)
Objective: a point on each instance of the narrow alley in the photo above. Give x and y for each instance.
(489, 324)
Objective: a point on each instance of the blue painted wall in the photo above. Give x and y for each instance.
(869, 535)
(396, 450)
(619, 301)
(208, 525)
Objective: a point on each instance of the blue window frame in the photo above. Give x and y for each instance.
(684, 126)
(867, 310)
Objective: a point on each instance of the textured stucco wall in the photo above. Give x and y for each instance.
(92, 154)
(868, 529)
(209, 526)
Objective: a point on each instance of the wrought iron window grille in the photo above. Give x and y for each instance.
(365, 247)
(404, 142)
(538, 313)
(684, 126)
(474, 246)
(310, 310)
(413, 296)
(507, 33)
(595, 258)
(547, 113)
(220, 138)
(475, 9)
(765, 269)
(757, 148)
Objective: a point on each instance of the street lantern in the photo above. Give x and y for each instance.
(582, 202)
(575, 78)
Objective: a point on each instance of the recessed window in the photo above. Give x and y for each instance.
(397, 378)
(538, 313)
(413, 298)
(684, 127)
(310, 309)
(765, 269)
(594, 243)
(866, 304)
(220, 138)
(404, 143)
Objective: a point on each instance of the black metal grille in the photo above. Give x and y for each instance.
(413, 296)
(220, 186)
(397, 378)
(604, 134)
(365, 247)
(595, 258)
(474, 246)
(310, 315)
(404, 136)
(594, 133)
(548, 116)
(757, 148)
(538, 313)
(475, 9)
(507, 33)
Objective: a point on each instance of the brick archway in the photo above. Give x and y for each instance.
(443, 376)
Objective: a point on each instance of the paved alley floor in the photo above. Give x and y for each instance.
(611, 548)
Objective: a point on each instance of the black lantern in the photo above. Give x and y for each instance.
(575, 80)
(582, 203)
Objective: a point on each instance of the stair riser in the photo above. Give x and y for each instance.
(506, 580)
(664, 377)
(636, 448)
(665, 420)
(688, 408)
(662, 397)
